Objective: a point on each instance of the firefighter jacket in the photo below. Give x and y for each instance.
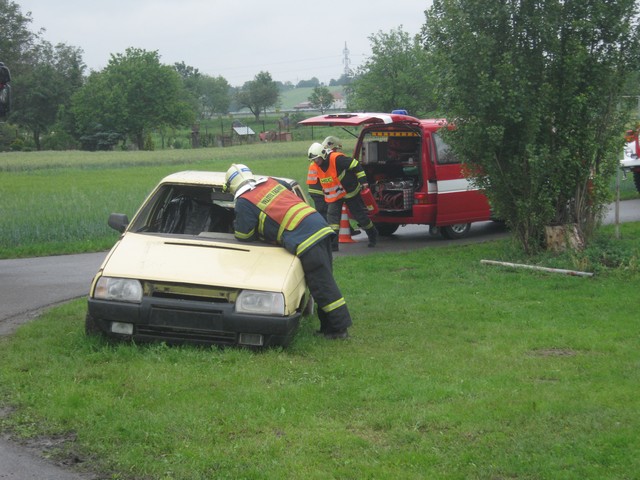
(313, 182)
(340, 177)
(272, 213)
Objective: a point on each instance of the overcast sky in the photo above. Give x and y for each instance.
(293, 40)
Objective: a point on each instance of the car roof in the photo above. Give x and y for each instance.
(201, 177)
(196, 177)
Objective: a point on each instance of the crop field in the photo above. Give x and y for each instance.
(59, 202)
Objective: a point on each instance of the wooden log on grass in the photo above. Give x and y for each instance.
(575, 273)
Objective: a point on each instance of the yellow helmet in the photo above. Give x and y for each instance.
(236, 176)
(317, 150)
(332, 143)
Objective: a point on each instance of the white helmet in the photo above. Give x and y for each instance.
(238, 175)
(317, 150)
(331, 143)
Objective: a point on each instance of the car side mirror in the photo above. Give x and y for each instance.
(118, 221)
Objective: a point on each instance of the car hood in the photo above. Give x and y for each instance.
(211, 262)
(359, 119)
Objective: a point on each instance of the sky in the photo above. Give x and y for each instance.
(293, 40)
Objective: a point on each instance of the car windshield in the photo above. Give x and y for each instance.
(187, 210)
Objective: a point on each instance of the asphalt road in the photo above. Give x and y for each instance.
(28, 286)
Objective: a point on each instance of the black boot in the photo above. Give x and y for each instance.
(372, 233)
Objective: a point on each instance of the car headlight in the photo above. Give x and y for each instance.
(119, 289)
(264, 303)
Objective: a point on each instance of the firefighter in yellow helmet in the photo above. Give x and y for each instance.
(267, 210)
(342, 178)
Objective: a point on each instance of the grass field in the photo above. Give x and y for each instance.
(454, 370)
(58, 202)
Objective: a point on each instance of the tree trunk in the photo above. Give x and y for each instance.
(562, 237)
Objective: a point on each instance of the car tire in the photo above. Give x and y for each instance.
(636, 180)
(454, 232)
(386, 229)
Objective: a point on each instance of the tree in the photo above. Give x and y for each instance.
(209, 95)
(396, 76)
(16, 39)
(321, 98)
(214, 96)
(313, 82)
(134, 94)
(258, 94)
(534, 86)
(53, 75)
(343, 80)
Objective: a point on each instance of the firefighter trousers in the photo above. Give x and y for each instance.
(358, 211)
(317, 264)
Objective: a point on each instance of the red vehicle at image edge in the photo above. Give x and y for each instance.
(414, 177)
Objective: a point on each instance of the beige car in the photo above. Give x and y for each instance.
(178, 275)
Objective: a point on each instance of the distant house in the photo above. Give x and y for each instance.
(339, 103)
(304, 106)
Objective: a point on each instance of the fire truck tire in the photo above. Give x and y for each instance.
(454, 232)
(386, 229)
(636, 180)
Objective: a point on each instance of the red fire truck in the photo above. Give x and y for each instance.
(414, 176)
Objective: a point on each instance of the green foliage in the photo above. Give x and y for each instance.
(16, 38)
(397, 75)
(44, 79)
(58, 202)
(258, 94)
(321, 98)
(488, 373)
(210, 95)
(534, 89)
(134, 94)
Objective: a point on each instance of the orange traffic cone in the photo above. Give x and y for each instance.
(344, 235)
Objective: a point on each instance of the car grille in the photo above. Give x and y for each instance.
(198, 293)
(190, 336)
(186, 321)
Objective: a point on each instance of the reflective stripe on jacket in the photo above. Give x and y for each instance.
(280, 204)
(313, 183)
(333, 190)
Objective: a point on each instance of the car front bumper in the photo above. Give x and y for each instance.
(188, 321)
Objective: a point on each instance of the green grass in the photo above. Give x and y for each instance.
(454, 370)
(59, 202)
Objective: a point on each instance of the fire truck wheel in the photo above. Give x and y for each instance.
(636, 180)
(454, 232)
(386, 229)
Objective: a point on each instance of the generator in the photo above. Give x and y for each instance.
(394, 195)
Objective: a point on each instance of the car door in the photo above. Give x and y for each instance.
(459, 201)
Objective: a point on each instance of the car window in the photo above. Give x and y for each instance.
(186, 209)
(443, 152)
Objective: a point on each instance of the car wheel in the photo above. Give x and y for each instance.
(386, 229)
(636, 180)
(454, 232)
